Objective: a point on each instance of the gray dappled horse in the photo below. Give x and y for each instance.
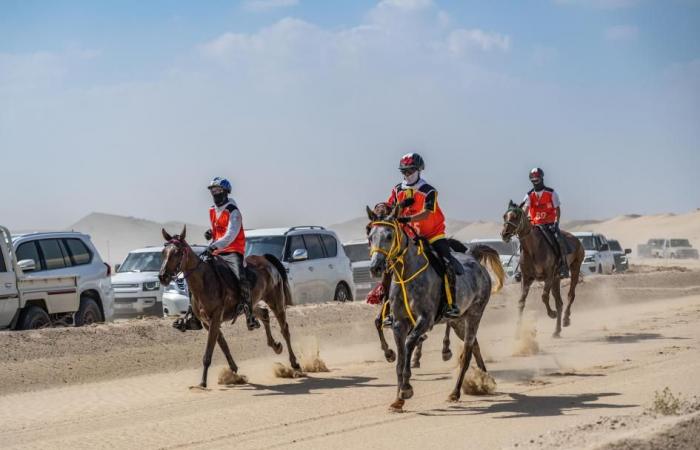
(416, 291)
(539, 261)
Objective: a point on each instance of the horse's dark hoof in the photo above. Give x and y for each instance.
(415, 365)
(296, 366)
(446, 356)
(406, 393)
(277, 347)
(390, 356)
(556, 334)
(453, 398)
(397, 406)
(552, 314)
(567, 321)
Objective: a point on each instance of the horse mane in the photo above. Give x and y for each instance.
(278, 265)
(457, 246)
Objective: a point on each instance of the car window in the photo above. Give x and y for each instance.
(53, 257)
(314, 246)
(357, 252)
(28, 250)
(330, 244)
(78, 251)
(295, 243)
(3, 268)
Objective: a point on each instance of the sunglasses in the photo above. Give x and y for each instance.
(407, 171)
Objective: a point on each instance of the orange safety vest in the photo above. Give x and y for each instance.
(542, 209)
(425, 197)
(219, 225)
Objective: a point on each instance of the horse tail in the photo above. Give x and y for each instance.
(285, 279)
(488, 257)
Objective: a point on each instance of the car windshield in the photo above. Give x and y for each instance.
(680, 243)
(260, 245)
(141, 262)
(588, 242)
(503, 248)
(615, 246)
(357, 252)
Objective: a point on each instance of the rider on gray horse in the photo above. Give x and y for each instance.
(420, 209)
(544, 209)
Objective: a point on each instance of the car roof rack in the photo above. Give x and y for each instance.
(306, 227)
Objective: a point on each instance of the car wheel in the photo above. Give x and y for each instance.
(600, 269)
(88, 313)
(342, 293)
(34, 318)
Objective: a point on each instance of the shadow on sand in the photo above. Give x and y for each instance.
(631, 338)
(306, 385)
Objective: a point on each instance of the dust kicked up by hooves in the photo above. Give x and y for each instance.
(526, 340)
(228, 377)
(478, 382)
(309, 360)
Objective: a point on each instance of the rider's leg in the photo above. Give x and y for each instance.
(386, 284)
(235, 263)
(454, 268)
(563, 266)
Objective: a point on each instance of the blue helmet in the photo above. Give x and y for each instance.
(223, 183)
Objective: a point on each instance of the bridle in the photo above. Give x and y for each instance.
(185, 249)
(517, 228)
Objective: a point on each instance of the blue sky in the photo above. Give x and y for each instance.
(129, 107)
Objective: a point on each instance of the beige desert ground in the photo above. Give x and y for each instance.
(624, 375)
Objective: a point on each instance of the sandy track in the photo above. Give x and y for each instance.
(631, 335)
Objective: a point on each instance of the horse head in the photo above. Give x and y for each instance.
(384, 235)
(512, 221)
(173, 256)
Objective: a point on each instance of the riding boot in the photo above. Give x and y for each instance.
(247, 305)
(187, 322)
(563, 265)
(386, 283)
(451, 311)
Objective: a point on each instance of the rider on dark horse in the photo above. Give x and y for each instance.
(420, 209)
(228, 243)
(544, 209)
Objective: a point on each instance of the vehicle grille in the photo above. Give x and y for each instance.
(361, 275)
(181, 284)
(125, 300)
(125, 286)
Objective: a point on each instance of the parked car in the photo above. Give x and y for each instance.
(358, 252)
(316, 262)
(509, 253)
(599, 258)
(648, 250)
(675, 249)
(620, 255)
(52, 278)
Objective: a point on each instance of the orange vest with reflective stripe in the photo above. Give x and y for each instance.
(219, 225)
(431, 228)
(542, 210)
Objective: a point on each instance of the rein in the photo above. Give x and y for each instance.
(396, 258)
(185, 251)
(518, 227)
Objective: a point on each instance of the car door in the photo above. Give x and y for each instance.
(300, 272)
(321, 273)
(606, 255)
(9, 299)
(56, 263)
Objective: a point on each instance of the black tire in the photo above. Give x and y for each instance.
(88, 313)
(600, 269)
(342, 293)
(33, 318)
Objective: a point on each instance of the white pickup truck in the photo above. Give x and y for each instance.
(29, 301)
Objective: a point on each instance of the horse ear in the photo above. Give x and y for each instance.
(184, 232)
(166, 235)
(371, 215)
(511, 204)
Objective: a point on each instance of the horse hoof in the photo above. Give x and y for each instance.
(552, 314)
(298, 374)
(277, 347)
(446, 356)
(567, 321)
(406, 393)
(453, 398)
(198, 388)
(397, 406)
(556, 334)
(415, 365)
(390, 356)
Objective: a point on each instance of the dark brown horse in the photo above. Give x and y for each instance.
(539, 261)
(215, 301)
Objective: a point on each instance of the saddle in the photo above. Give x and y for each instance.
(440, 266)
(552, 241)
(228, 278)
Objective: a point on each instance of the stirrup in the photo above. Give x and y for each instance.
(451, 312)
(388, 322)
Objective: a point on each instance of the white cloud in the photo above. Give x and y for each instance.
(462, 40)
(622, 33)
(268, 5)
(600, 4)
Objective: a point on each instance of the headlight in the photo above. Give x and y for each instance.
(151, 286)
(173, 288)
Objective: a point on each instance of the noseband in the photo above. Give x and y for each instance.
(185, 249)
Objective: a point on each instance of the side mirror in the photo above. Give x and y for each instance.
(604, 248)
(300, 254)
(628, 251)
(27, 265)
(116, 267)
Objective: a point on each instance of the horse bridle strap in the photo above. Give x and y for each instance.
(178, 244)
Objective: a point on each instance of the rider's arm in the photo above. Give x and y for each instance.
(428, 207)
(557, 204)
(234, 227)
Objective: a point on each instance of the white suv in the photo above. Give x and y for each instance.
(61, 254)
(599, 258)
(315, 260)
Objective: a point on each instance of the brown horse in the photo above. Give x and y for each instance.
(539, 261)
(215, 301)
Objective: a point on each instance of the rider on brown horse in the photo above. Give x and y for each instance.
(543, 206)
(228, 241)
(420, 209)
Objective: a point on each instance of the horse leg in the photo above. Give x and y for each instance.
(413, 339)
(419, 353)
(524, 290)
(388, 353)
(223, 345)
(556, 290)
(545, 298)
(212, 337)
(400, 329)
(263, 314)
(476, 350)
(575, 270)
(281, 316)
(465, 359)
(446, 352)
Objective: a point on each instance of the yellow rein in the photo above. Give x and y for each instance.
(395, 257)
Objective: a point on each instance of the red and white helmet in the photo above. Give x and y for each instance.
(411, 161)
(536, 175)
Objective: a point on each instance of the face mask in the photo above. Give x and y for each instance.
(412, 178)
(539, 185)
(220, 199)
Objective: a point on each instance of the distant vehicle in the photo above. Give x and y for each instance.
(318, 268)
(137, 291)
(52, 278)
(509, 253)
(647, 250)
(358, 252)
(621, 258)
(675, 249)
(599, 258)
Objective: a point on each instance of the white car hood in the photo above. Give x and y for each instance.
(134, 277)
